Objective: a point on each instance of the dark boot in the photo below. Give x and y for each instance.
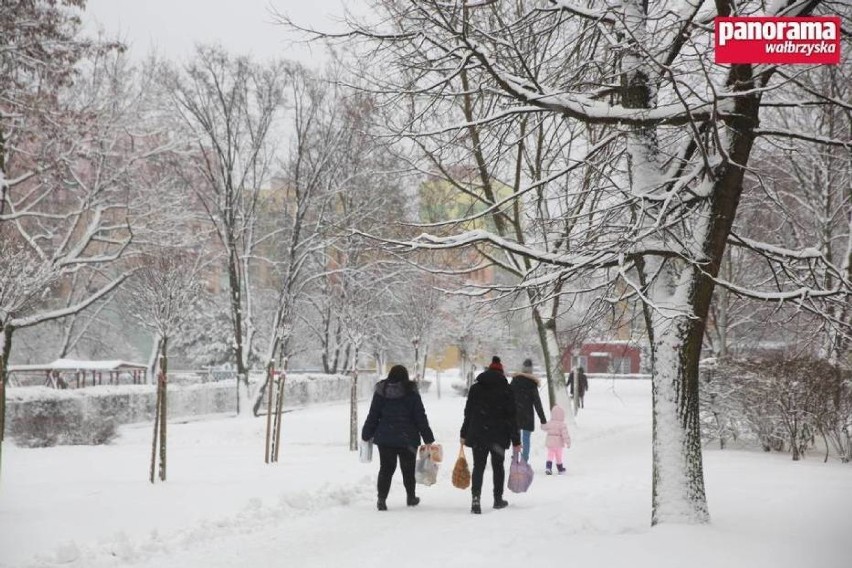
(548, 468)
(412, 501)
(499, 503)
(475, 507)
(382, 505)
(560, 468)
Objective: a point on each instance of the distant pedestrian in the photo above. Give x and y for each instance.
(395, 424)
(527, 399)
(489, 427)
(557, 440)
(583, 382)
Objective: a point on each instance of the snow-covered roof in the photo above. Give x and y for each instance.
(599, 354)
(74, 365)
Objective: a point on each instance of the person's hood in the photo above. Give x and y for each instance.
(556, 413)
(491, 378)
(528, 376)
(390, 389)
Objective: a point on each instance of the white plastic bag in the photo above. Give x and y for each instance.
(426, 470)
(365, 452)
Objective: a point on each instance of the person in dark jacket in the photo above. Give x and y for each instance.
(395, 424)
(489, 427)
(525, 389)
(583, 382)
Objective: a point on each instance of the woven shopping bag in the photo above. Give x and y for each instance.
(461, 472)
(520, 474)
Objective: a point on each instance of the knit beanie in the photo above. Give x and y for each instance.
(496, 364)
(527, 367)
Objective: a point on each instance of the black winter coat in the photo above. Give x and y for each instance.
(397, 418)
(489, 415)
(525, 389)
(584, 384)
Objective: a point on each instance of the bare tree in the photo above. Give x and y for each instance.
(160, 296)
(67, 152)
(319, 145)
(228, 106)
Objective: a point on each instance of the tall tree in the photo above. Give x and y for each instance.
(228, 106)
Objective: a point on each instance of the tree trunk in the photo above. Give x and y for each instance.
(5, 350)
(353, 407)
(279, 405)
(151, 374)
(678, 473)
(266, 386)
(235, 284)
(156, 438)
(164, 364)
(556, 390)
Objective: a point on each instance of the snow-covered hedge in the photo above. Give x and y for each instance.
(42, 416)
(782, 405)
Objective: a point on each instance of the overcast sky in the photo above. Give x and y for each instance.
(172, 27)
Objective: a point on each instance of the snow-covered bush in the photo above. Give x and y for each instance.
(833, 416)
(720, 416)
(782, 404)
(58, 421)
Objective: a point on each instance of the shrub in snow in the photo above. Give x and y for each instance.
(42, 417)
(58, 421)
(783, 404)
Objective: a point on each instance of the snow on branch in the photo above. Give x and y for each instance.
(592, 111)
(578, 10)
(802, 136)
(70, 310)
(512, 198)
(777, 252)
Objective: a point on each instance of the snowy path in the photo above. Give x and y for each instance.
(223, 507)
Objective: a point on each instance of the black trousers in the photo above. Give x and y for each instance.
(388, 457)
(480, 455)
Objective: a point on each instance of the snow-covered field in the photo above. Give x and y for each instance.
(222, 506)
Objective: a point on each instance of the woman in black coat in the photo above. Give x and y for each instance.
(395, 423)
(489, 427)
(525, 388)
(583, 384)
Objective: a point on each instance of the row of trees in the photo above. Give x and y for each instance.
(595, 158)
(209, 205)
(611, 163)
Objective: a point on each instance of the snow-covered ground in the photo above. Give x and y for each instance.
(222, 506)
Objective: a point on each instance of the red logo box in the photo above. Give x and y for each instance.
(797, 41)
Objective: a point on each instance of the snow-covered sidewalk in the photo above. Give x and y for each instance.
(222, 506)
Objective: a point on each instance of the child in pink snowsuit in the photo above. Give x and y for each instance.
(557, 439)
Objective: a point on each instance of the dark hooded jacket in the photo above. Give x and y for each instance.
(584, 383)
(489, 415)
(397, 417)
(525, 389)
